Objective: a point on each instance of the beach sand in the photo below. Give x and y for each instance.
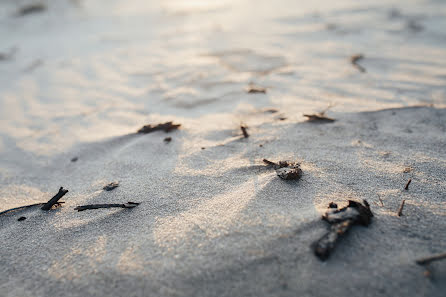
(213, 219)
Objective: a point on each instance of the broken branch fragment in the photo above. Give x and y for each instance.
(355, 59)
(286, 170)
(244, 131)
(166, 127)
(255, 90)
(341, 220)
(97, 206)
(31, 8)
(432, 258)
(111, 186)
(55, 199)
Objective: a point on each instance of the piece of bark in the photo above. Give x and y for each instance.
(97, 206)
(111, 186)
(286, 170)
(355, 59)
(340, 221)
(427, 260)
(400, 209)
(318, 117)
(55, 199)
(407, 184)
(244, 131)
(166, 127)
(31, 8)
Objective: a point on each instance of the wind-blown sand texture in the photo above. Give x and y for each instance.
(214, 220)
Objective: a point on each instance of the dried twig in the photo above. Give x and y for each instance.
(400, 210)
(55, 199)
(380, 200)
(407, 185)
(28, 206)
(255, 90)
(111, 186)
(166, 127)
(355, 59)
(341, 220)
(244, 131)
(167, 139)
(427, 260)
(97, 206)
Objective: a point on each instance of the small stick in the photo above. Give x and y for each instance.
(166, 127)
(407, 185)
(52, 201)
(400, 210)
(269, 162)
(355, 59)
(244, 131)
(97, 206)
(26, 206)
(432, 258)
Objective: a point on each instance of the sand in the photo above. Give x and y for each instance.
(213, 219)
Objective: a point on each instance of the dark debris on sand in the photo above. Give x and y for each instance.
(355, 59)
(256, 90)
(244, 129)
(113, 205)
(286, 170)
(341, 220)
(111, 186)
(55, 199)
(30, 9)
(318, 117)
(166, 127)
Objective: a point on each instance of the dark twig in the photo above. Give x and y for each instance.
(427, 260)
(355, 59)
(407, 185)
(166, 127)
(244, 131)
(380, 200)
(400, 210)
(255, 90)
(341, 220)
(27, 206)
(111, 186)
(167, 139)
(52, 201)
(318, 118)
(97, 206)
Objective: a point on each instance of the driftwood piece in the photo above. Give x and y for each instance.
(27, 206)
(111, 186)
(97, 206)
(166, 127)
(244, 131)
(286, 170)
(341, 220)
(427, 260)
(355, 59)
(55, 199)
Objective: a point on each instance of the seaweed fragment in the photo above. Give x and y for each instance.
(112, 205)
(286, 170)
(166, 127)
(55, 199)
(355, 59)
(341, 220)
(111, 186)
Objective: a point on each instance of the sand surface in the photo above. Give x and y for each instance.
(84, 76)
